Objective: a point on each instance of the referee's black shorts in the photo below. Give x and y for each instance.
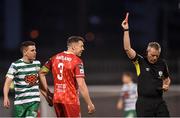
(151, 107)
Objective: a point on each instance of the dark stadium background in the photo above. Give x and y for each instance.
(50, 23)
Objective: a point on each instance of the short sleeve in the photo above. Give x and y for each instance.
(79, 70)
(123, 89)
(136, 58)
(166, 70)
(12, 71)
(38, 65)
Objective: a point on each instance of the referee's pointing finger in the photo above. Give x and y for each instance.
(127, 15)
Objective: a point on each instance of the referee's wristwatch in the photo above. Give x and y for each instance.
(126, 29)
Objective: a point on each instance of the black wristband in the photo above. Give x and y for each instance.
(125, 29)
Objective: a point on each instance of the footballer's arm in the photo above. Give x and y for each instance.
(85, 93)
(42, 75)
(7, 84)
(44, 86)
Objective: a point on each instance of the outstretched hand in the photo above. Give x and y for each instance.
(125, 22)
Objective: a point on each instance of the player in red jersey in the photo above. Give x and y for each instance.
(68, 72)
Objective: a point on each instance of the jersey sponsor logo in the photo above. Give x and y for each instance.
(31, 79)
(60, 87)
(81, 68)
(64, 58)
(126, 95)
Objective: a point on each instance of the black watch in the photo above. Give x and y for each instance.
(125, 29)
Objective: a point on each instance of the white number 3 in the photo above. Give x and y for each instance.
(60, 75)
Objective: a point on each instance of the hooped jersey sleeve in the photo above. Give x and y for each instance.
(12, 71)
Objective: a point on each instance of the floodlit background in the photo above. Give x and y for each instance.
(50, 23)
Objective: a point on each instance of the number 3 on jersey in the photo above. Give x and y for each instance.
(60, 75)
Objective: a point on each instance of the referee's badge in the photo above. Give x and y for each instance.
(147, 69)
(160, 74)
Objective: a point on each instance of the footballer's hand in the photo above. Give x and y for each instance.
(6, 102)
(125, 22)
(91, 109)
(50, 101)
(120, 105)
(49, 98)
(165, 87)
(50, 94)
(166, 84)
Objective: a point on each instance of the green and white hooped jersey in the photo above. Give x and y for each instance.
(26, 83)
(129, 94)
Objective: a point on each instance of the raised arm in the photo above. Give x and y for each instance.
(126, 39)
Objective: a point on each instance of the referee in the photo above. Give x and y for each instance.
(153, 77)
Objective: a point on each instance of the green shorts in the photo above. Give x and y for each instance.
(26, 109)
(129, 114)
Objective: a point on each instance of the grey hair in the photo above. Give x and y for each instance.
(154, 45)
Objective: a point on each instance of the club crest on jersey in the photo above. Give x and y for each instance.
(147, 69)
(160, 74)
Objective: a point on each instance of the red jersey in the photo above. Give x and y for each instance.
(66, 68)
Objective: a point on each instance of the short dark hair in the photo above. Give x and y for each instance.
(74, 39)
(26, 44)
(154, 45)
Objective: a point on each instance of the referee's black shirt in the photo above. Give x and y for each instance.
(150, 76)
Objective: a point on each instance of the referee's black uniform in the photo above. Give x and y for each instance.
(150, 80)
